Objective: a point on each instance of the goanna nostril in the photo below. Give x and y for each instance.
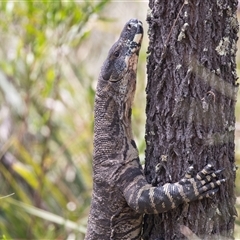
(129, 26)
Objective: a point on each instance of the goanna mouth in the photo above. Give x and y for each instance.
(139, 28)
(139, 33)
(135, 43)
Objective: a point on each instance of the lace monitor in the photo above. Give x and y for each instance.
(121, 194)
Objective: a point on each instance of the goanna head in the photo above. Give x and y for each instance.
(121, 64)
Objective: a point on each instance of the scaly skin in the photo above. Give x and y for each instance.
(121, 194)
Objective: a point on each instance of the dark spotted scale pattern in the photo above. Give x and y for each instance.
(121, 194)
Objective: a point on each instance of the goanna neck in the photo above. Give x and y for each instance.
(112, 128)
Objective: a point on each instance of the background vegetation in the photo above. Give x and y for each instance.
(50, 56)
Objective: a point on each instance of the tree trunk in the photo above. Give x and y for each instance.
(191, 96)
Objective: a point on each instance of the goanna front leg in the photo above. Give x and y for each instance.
(145, 198)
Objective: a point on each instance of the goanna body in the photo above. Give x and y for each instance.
(116, 161)
(121, 194)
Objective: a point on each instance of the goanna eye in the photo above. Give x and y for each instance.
(116, 54)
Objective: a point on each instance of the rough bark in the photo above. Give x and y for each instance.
(191, 95)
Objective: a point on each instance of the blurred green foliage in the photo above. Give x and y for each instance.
(46, 119)
(46, 116)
